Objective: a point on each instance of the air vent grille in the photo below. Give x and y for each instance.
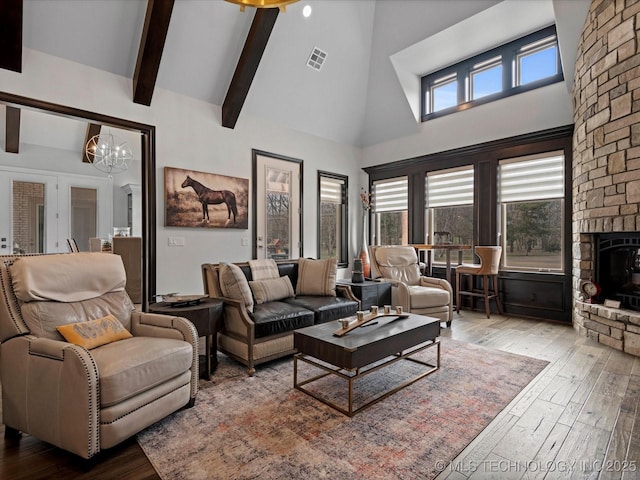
(316, 59)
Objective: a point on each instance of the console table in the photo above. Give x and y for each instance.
(370, 292)
(205, 316)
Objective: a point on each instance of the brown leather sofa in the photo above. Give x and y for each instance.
(266, 333)
(85, 400)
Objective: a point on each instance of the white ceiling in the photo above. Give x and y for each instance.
(356, 98)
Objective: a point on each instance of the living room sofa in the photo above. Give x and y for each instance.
(260, 315)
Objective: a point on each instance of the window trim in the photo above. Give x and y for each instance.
(343, 261)
(509, 53)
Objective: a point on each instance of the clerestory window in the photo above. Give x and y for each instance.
(524, 64)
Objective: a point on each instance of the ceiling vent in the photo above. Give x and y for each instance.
(316, 59)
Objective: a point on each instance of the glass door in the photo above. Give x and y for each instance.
(278, 207)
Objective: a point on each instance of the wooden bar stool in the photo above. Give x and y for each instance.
(488, 269)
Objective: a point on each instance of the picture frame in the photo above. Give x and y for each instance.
(205, 200)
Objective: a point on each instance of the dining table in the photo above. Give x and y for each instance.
(428, 248)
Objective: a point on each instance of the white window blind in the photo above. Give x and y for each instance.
(450, 187)
(391, 195)
(331, 190)
(532, 178)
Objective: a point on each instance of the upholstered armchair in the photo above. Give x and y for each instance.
(91, 394)
(398, 264)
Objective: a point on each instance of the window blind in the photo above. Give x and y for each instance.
(391, 195)
(449, 187)
(331, 190)
(531, 178)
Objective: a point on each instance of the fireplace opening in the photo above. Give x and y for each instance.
(618, 267)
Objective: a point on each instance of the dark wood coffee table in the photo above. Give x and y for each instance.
(352, 356)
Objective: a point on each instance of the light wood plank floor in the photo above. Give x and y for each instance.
(579, 419)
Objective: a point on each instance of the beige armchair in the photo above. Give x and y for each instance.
(86, 399)
(398, 264)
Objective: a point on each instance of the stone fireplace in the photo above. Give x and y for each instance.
(606, 172)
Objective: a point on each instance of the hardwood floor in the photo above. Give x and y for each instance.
(579, 419)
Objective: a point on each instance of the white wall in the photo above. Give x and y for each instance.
(536, 110)
(189, 135)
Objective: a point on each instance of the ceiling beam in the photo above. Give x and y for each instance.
(11, 35)
(261, 27)
(12, 126)
(154, 34)
(93, 129)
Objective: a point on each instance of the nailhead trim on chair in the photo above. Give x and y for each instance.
(144, 405)
(8, 292)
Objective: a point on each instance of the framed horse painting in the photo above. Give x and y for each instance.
(205, 200)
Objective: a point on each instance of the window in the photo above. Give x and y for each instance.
(537, 61)
(527, 63)
(332, 216)
(531, 195)
(449, 208)
(486, 78)
(390, 211)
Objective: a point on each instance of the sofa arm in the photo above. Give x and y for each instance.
(167, 326)
(50, 389)
(236, 320)
(346, 292)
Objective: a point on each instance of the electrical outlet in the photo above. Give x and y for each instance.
(176, 241)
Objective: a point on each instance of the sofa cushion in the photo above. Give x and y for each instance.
(317, 277)
(93, 333)
(67, 277)
(134, 365)
(271, 290)
(278, 317)
(42, 318)
(263, 269)
(426, 297)
(325, 309)
(234, 284)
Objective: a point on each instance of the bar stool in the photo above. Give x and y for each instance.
(488, 269)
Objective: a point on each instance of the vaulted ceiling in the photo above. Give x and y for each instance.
(255, 62)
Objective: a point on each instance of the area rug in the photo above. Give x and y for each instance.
(262, 428)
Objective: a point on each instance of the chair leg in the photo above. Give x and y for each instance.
(485, 284)
(497, 296)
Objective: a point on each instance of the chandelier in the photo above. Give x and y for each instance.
(281, 4)
(108, 154)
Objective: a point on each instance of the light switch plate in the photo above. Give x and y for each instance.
(176, 241)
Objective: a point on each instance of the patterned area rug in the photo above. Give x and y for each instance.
(262, 428)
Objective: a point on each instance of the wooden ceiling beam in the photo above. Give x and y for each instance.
(256, 42)
(11, 35)
(12, 134)
(93, 129)
(154, 34)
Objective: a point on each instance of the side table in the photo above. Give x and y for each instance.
(205, 316)
(370, 292)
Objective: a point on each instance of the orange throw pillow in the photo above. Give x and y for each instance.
(93, 333)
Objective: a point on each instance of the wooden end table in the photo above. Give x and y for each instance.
(205, 316)
(370, 292)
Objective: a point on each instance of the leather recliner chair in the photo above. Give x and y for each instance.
(85, 400)
(398, 264)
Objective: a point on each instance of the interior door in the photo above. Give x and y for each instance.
(277, 205)
(28, 213)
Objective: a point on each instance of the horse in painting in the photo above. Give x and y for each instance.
(207, 197)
